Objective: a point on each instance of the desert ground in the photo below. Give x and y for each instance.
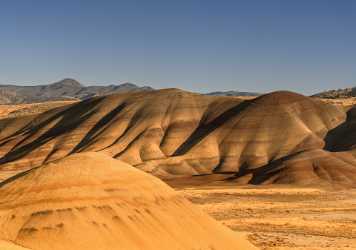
(282, 217)
(17, 110)
(345, 102)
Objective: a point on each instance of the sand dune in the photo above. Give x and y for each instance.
(173, 133)
(91, 201)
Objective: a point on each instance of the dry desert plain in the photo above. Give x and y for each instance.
(17, 110)
(277, 218)
(225, 156)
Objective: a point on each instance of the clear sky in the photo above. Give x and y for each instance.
(252, 45)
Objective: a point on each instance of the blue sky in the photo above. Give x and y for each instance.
(252, 45)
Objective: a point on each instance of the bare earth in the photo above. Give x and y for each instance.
(17, 110)
(345, 102)
(283, 217)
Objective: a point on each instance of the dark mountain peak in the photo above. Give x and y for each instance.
(128, 85)
(64, 89)
(67, 82)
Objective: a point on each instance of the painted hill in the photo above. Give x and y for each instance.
(66, 89)
(309, 167)
(343, 137)
(172, 133)
(91, 201)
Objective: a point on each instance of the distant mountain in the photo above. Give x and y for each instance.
(70, 89)
(7, 96)
(66, 89)
(338, 93)
(233, 93)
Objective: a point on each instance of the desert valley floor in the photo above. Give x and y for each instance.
(282, 218)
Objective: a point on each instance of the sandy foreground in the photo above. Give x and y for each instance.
(90, 201)
(283, 218)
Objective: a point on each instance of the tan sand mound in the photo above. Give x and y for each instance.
(91, 201)
(172, 133)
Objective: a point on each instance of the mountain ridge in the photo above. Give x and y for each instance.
(65, 89)
(71, 89)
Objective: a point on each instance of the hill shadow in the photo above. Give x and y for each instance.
(70, 119)
(92, 134)
(342, 137)
(204, 130)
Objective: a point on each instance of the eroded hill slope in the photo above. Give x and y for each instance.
(173, 133)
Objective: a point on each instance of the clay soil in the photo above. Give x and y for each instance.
(277, 218)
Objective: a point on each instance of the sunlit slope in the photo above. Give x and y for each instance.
(91, 201)
(173, 133)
